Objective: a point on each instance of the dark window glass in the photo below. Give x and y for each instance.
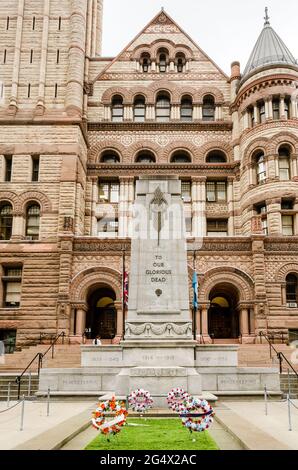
(8, 168)
(208, 108)
(109, 191)
(6, 219)
(35, 168)
(163, 108)
(33, 222)
(216, 191)
(139, 109)
(291, 288)
(117, 109)
(186, 110)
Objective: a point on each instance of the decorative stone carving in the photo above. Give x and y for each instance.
(179, 331)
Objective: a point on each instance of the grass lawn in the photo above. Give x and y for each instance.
(154, 434)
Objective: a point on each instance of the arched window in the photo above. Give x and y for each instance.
(5, 221)
(162, 60)
(262, 111)
(216, 156)
(181, 157)
(284, 158)
(139, 109)
(208, 108)
(180, 62)
(260, 167)
(117, 109)
(145, 62)
(292, 289)
(163, 107)
(186, 109)
(33, 221)
(109, 156)
(145, 157)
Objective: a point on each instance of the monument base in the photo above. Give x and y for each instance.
(158, 367)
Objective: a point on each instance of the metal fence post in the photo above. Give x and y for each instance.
(29, 384)
(22, 413)
(8, 394)
(289, 412)
(48, 402)
(289, 383)
(266, 400)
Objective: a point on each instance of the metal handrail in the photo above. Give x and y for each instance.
(52, 345)
(40, 357)
(262, 334)
(282, 357)
(39, 366)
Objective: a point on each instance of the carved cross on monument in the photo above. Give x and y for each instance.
(158, 206)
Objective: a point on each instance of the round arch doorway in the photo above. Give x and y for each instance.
(223, 315)
(102, 316)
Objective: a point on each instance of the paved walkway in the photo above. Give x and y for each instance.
(247, 421)
(40, 430)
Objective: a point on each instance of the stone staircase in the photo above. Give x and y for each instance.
(64, 356)
(69, 356)
(258, 355)
(7, 378)
(289, 383)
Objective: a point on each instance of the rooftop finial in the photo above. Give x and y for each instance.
(267, 17)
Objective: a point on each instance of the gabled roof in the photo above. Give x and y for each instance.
(162, 17)
(269, 50)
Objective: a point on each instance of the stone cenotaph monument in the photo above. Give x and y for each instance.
(159, 349)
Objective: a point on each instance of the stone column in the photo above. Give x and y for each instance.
(131, 191)
(172, 66)
(76, 59)
(230, 197)
(121, 211)
(197, 112)
(270, 108)
(218, 113)
(282, 107)
(175, 112)
(18, 227)
(205, 329)
(246, 120)
(244, 326)
(294, 107)
(153, 66)
(150, 112)
(128, 113)
(274, 218)
(94, 28)
(13, 101)
(94, 202)
(80, 321)
(256, 114)
(198, 194)
(119, 322)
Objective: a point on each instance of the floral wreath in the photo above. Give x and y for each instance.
(202, 421)
(179, 400)
(119, 419)
(140, 401)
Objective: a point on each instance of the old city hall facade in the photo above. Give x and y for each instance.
(78, 129)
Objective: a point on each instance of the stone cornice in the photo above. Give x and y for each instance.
(161, 126)
(130, 170)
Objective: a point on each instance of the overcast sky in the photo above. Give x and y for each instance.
(225, 29)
